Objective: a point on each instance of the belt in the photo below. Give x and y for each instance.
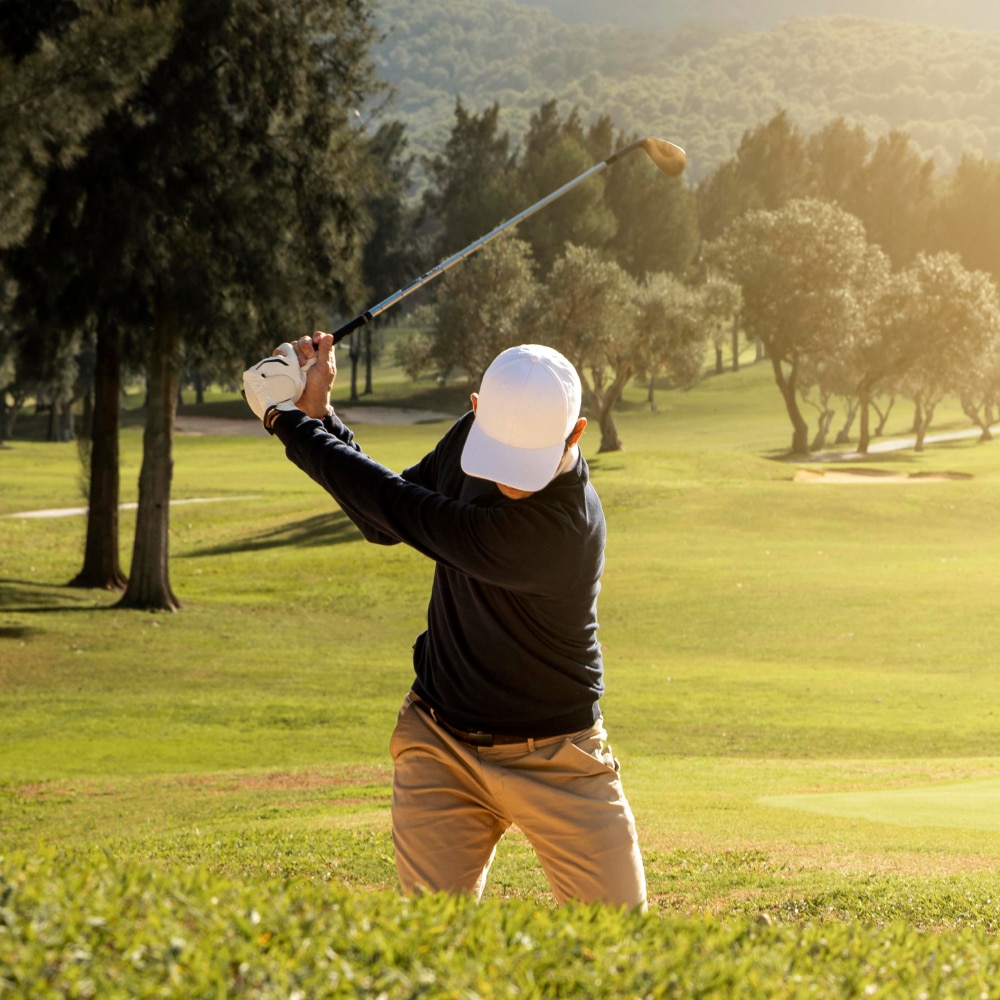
(475, 737)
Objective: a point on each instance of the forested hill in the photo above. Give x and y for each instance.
(699, 85)
(661, 15)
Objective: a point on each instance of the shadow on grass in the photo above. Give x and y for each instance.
(29, 596)
(900, 457)
(323, 529)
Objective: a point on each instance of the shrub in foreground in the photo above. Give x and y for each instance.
(92, 926)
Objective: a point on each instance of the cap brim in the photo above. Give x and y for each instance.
(527, 469)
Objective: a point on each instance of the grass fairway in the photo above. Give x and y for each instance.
(802, 682)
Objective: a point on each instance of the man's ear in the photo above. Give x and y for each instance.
(475, 401)
(577, 432)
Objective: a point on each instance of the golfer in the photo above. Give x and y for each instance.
(503, 724)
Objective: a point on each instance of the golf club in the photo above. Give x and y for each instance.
(667, 157)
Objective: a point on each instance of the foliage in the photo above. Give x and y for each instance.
(978, 15)
(703, 87)
(672, 323)
(93, 926)
(960, 318)
(555, 152)
(482, 305)
(62, 70)
(469, 190)
(800, 269)
(968, 216)
(589, 313)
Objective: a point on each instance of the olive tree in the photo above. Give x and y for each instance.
(590, 313)
(802, 270)
(481, 305)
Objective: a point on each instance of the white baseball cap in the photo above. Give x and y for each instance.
(529, 403)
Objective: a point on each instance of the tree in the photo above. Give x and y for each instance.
(65, 65)
(889, 342)
(588, 308)
(671, 325)
(979, 391)
(895, 198)
(656, 219)
(481, 306)
(837, 155)
(958, 320)
(770, 168)
(721, 301)
(802, 271)
(220, 203)
(395, 250)
(470, 183)
(245, 136)
(555, 152)
(968, 220)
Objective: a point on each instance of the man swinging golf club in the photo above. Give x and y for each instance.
(502, 725)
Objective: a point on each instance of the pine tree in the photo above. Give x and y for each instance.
(219, 204)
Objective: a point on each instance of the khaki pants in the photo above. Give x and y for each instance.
(452, 802)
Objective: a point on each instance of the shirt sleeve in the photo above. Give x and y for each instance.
(513, 544)
(334, 426)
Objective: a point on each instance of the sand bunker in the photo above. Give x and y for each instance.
(874, 476)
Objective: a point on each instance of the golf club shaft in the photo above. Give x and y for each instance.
(366, 317)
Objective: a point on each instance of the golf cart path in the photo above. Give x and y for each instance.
(878, 476)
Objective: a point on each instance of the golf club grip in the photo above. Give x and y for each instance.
(348, 328)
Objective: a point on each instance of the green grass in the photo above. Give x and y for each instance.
(802, 692)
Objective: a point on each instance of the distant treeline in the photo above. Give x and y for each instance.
(700, 86)
(862, 273)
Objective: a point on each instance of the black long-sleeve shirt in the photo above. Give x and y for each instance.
(511, 640)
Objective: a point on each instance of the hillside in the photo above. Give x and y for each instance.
(664, 15)
(700, 85)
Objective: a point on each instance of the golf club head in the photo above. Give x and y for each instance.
(668, 158)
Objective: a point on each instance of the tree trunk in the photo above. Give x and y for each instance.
(719, 364)
(864, 433)
(926, 418)
(786, 385)
(979, 415)
(11, 412)
(610, 441)
(149, 580)
(883, 417)
(67, 429)
(369, 362)
(101, 567)
(844, 434)
(826, 416)
(735, 343)
(355, 355)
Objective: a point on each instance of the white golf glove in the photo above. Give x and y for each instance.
(277, 381)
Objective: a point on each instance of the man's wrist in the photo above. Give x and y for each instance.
(316, 411)
(276, 409)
